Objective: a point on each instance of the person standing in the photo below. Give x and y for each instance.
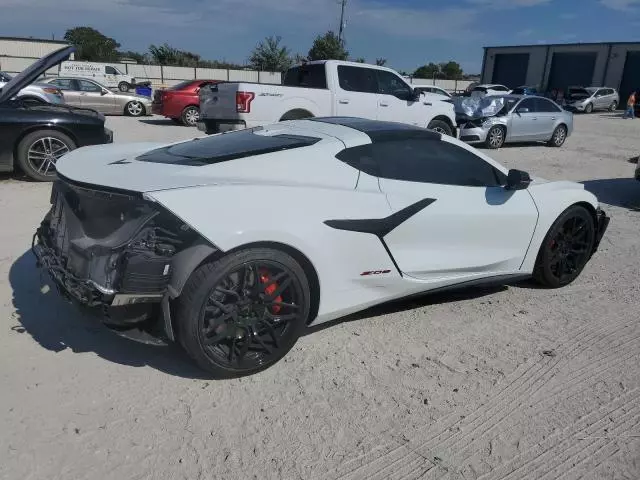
(631, 106)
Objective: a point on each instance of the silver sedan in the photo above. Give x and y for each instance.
(85, 93)
(522, 119)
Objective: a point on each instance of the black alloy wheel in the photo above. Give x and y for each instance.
(566, 248)
(243, 313)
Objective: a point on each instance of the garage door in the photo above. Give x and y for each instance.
(510, 69)
(630, 77)
(571, 69)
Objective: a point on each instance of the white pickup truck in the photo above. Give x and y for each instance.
(321, 89)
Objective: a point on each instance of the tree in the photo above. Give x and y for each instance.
(168, 55)
(451, 70)
(137, 56)
(381, 62)
(270, 56)
(360, 60)
(328, 47)
(427, 71)
(91, 44)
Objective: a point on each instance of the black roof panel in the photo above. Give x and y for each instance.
(380, 131)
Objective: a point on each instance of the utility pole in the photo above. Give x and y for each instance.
(343, 4)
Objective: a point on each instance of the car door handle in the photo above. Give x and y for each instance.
(383, 104)
(553, 118)
(343, 102)
(428, 103)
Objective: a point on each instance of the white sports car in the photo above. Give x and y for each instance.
(237, 242)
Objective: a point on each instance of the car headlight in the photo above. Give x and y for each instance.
(488, 122)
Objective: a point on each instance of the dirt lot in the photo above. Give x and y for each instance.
(517, 383)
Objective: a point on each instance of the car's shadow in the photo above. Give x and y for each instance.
(619, 192)
(159, 121)
(56, 325)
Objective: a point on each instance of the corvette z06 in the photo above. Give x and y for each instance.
(235, 243)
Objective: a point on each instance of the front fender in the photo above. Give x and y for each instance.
(551, 199)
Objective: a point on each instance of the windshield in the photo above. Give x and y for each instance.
(225, 147)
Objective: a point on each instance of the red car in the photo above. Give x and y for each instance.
(180, 103)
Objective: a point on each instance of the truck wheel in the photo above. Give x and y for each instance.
(39, 151)
(440, 126)
(124, 86)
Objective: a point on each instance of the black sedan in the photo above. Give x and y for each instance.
(34, 137)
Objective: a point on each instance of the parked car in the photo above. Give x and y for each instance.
(382, 211)
(522, 119)
(34, 137)
(85, 93)
(181, 102)
(524, 90)
(432, 89)
(36, 93)
(324, 88)
(108, 75)
(581, 99)
(490, 89)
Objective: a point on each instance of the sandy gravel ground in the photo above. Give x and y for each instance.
(507, 383)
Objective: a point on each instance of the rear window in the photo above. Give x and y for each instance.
(479, 89)
(309, 76)
(225, 147)
(181, 85)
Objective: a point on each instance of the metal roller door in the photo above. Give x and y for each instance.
(510, 69)
(630, 77)
(572, 69)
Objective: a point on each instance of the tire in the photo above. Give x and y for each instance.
(34, 157)
(190, 116)
(440, 126)
(124, 87)
(558, 137)
(495, 137)
(257, 341)
(588, 108)
(134, 108)
(613, 107)
(556, 244)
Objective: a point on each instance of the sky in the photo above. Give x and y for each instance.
(408, 33)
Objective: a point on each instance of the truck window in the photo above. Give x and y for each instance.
(110, 70)
(308, 76)
(357, 79)
(390, 84)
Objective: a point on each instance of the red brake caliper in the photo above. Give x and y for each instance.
(264, 278)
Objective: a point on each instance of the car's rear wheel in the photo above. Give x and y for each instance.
(242, 313)
(588, 108)
(440, 126)
(39, 151)
(559, 136)
(134, 108)
(566, 248)
(613, 106)
(190, 116)
(495, 137)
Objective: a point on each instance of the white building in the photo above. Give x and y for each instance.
(16, 53)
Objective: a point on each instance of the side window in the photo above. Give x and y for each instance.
(390, 84)
(544, 105)
(110, 70)
(433, 161)
(528, 103)
(308, 76)
(360, 157)
(65, 84)
(86, 86)
(357, 79)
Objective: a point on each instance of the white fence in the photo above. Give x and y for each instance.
(159, 75)
(165, 76)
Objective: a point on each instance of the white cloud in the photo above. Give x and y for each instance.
(621, 5)
(502, 4)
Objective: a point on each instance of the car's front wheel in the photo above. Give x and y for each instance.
(566, 248)
(495, 137)
(39, 151)
(440, 126)
(588, 108)
(124, 86)
(243, 312)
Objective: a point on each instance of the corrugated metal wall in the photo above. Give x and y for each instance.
(26, 48)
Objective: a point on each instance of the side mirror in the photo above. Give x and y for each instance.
(103, 92)
(517, 180)
(522, 110)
